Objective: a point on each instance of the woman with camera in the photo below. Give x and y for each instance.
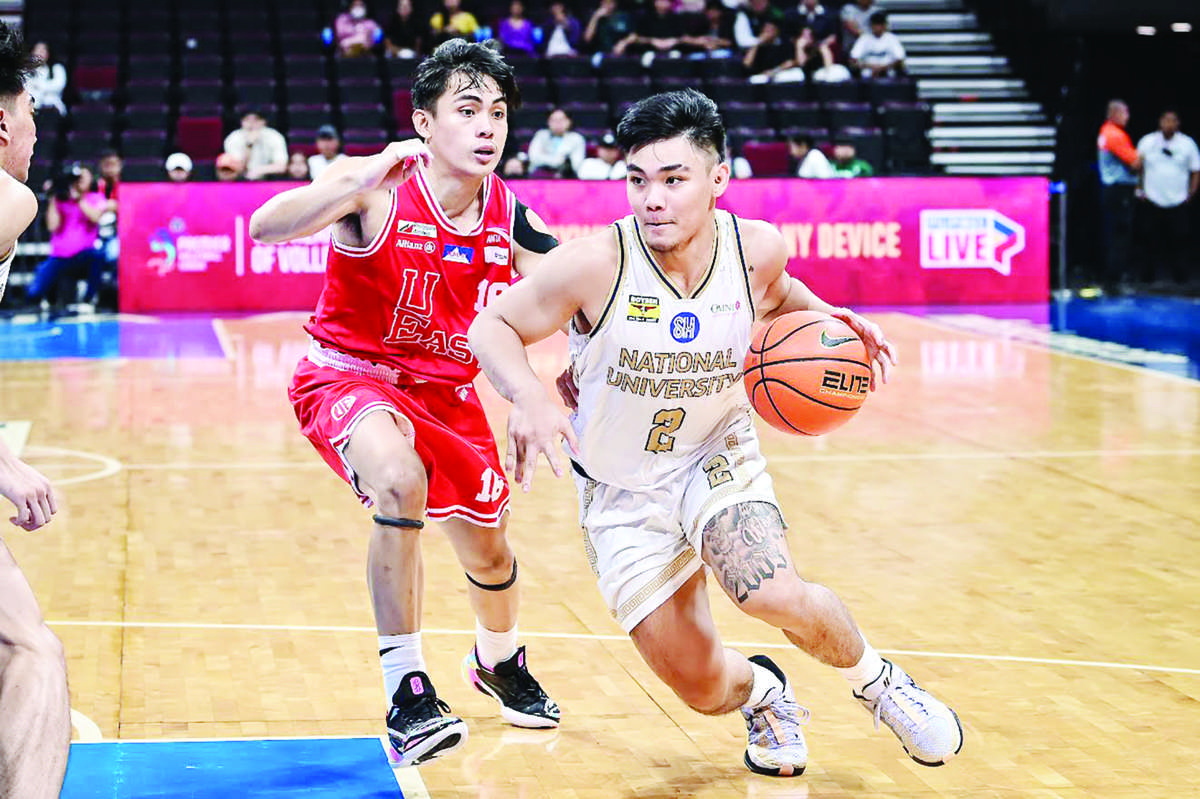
(73, 212)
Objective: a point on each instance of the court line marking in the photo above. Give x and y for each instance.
(602, 637)
(1130, 367)
(227, 350)
(89, 731)
(108, 466)
(409, 780)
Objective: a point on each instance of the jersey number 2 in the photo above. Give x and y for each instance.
(666, 422)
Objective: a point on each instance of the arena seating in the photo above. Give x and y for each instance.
(149, 77)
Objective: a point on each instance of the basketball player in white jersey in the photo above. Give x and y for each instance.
(35, 713)
(666, 458)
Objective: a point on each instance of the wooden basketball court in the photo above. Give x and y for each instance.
(1021, 529)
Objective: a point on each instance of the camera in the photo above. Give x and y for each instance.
(61, 183)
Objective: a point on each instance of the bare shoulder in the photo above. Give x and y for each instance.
(763, 245)
(20, 208)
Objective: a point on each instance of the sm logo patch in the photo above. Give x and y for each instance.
(685, 327)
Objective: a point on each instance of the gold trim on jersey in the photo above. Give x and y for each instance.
(661, 274)
(662, 578)
(737, 233)
(616, 286)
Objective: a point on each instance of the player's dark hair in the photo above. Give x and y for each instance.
(663, 116)
(879, 18)
(476, 61)
(16, 63)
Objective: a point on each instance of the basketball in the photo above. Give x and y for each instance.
(807, 373)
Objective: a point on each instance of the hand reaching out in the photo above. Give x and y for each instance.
(880, 352)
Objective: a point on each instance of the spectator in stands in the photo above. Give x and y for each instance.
(515, 31)
(657, 30)
(354, 31)
(1119, 164)
(748, 25)
(878, 52)
(404, 36)
(811, 163)
(452, 22)
(515, 167)
(563, 32)
(847, 164)
(179, 167)
(856, 20)
(297, 167)
(73, 212)
(111, 165)
(608, 26)
(773, 58)
(229, 167)
(262, 150)
(1169, 179)
(329, 149)
(48, 82)
(711, 31)
(607, 164)
(816, 33)
(556, 150)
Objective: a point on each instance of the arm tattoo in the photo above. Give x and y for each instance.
(745, 545)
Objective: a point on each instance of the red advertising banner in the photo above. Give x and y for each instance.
(874, 241)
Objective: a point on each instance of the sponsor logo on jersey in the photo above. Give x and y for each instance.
(417, 229)
(342, 407)
(970, 239)
(458, 253)
(722, 308)
(642, 309)
(835, 341)
(497, 235)
(420, 246)
(495, 255)
(685, 327)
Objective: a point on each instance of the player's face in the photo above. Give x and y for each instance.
(468, 132)
(673, 188)
(18, 132)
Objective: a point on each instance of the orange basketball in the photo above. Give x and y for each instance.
(807, 373)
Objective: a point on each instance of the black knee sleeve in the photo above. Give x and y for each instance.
(497, 586)
(392, 521)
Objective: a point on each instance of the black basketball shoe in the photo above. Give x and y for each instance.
(522, 701)
(420, 726)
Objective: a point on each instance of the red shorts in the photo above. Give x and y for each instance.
(453, 438)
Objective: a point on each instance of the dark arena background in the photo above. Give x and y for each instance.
(1016, 515)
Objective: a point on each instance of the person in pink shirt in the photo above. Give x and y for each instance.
(355, 32)
(73, 218)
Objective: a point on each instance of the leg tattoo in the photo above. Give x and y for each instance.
(745, 546)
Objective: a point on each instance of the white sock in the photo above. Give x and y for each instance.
(765, 689)
(403, 656)
(493, 647)
(866, 670)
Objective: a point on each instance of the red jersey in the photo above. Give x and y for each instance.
(405, 301)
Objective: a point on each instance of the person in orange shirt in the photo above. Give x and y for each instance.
(1119, 163)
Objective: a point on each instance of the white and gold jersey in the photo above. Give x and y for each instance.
(5, 266)
(660, 374)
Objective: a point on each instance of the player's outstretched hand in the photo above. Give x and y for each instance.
(567, 388)
(29, 492)
(535, 425)
(880, 351)
(397, 163)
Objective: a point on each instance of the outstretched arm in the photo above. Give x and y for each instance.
(777, 293)
(572, 279)
(338, 192)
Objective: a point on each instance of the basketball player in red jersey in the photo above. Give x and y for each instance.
(424, 236)
(35, 711)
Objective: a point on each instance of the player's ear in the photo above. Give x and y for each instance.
(422, 122)
(720, 178)
(5, 132)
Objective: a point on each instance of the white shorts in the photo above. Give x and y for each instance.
(644, 545)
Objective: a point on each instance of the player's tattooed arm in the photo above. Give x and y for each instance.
(745, 546)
